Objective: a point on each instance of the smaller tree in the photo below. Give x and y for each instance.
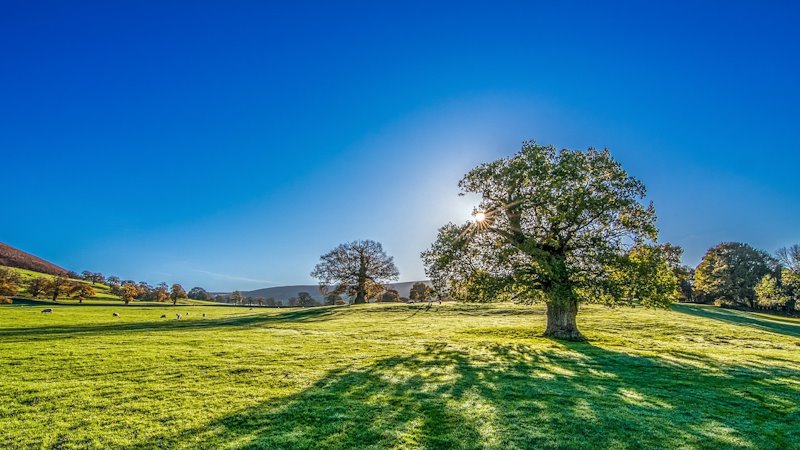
(236, 298)
(390, 295)
(161, 292)
(420, 291)
(128, 292)
(332, 298)
(9, 283)
(176, 292)
(36, 286)
(113, 280)
(81, 291)
(353, 267)
(293, 301)
(729, 273)
(270, 302)
(56, 286)
(198, 293)
(305, 299)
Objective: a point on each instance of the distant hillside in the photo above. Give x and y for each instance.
(285, 292)
(12, 257)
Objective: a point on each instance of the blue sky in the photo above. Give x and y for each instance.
(229, 144)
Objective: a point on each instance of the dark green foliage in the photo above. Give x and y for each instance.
(729, 273)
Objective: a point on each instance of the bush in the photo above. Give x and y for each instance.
(5, 300)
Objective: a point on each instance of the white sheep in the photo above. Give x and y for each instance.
(179, 317)
(116, 314)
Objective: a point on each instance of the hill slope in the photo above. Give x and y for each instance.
(12, 257)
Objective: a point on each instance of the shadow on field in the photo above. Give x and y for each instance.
(577, 396)
(191, 323)
(776, 325)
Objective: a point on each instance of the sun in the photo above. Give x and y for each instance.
(480, 217)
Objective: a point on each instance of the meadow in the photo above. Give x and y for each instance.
(395, 376)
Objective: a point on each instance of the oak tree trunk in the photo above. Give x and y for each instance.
(561, 320)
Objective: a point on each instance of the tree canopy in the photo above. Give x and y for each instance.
(355, 268)
(729, 272)
(560, 226)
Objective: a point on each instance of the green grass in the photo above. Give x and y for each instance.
(402, 376)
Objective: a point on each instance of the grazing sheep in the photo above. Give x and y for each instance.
(163, 316)
(116, 314)
(204, 315)
(178, 316)
(187, 313)
(47, 310)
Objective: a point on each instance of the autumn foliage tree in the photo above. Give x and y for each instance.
(355, 268)
(176, 292)
(558, 226)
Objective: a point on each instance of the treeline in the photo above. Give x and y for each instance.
(736, 275)
(11, 283)
(376, 292)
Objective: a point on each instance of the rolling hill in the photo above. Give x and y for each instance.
(12, 257)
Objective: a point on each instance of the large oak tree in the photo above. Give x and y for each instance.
(354, 268)
(560, 226)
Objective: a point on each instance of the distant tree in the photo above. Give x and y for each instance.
(176, 292)
(781, 289)
(352, 267)
(305, 299)
(293, 301)
(220, 298)
(81, 291)
(729, 272)
(554, 226)
(161, 292)
(198, 293)
(128, 291)
(270, 302)
(56, 286)
(36, 286)
(390, 295)
(260, 301)
(420, 291)
(145, 291)
(113, 281)
(332, 298)
(72, 275)
(236, 298)
(789, 257)
(93, 277)
(374, 290)
(9, 283)
(249, 300)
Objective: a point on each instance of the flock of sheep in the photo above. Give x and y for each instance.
(178, 316)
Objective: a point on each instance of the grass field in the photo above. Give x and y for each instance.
(402, 376)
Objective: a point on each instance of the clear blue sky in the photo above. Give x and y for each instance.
(229, 144)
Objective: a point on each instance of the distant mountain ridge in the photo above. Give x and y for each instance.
(286, 292)
(12, 257)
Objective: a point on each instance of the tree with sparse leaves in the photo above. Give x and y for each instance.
(354, 268)
(236, 298)
(558, 226)
(36, 286)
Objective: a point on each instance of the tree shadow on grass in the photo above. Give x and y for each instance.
(192, 323)
(740, 318)
(514, 396)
